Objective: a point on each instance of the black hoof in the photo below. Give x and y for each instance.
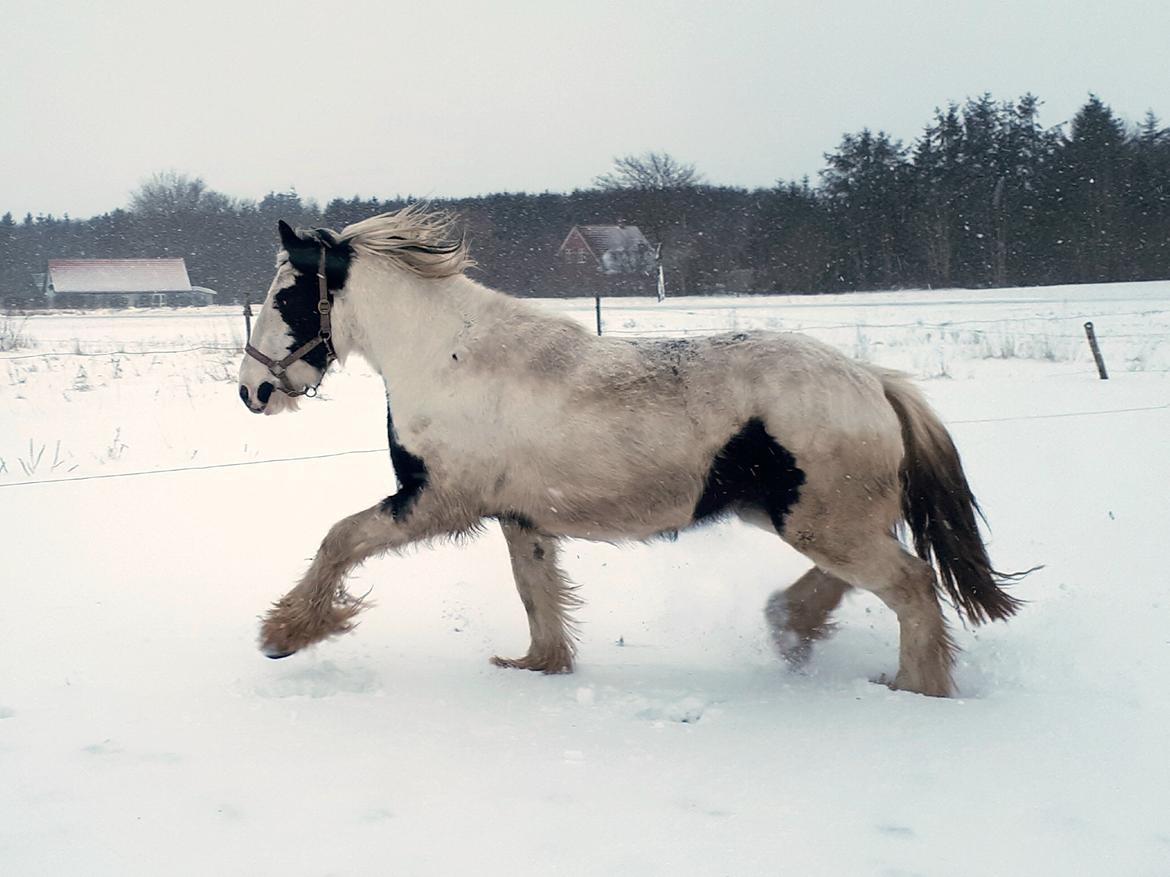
(276, 656)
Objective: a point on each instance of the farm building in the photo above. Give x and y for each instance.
(119, 283)
(610, 249)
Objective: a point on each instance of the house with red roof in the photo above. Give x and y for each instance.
(609, 249)
(119, 283)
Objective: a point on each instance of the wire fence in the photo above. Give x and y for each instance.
(798, 322)
(386, 450)
(104, 353)
(1002, 324)
(210, 466)
(804, 324)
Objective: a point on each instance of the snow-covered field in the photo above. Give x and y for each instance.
(147, 519)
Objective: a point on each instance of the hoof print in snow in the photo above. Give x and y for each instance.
(320, 680)
(377, 815)
(687, 711)
(106, 747)
(896, 830)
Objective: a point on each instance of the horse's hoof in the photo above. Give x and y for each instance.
(548, 666)
(275, 654)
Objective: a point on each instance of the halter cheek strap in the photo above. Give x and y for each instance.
(279, 368)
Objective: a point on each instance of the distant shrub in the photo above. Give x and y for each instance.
(12, 333)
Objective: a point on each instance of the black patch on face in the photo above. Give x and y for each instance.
(297, 304)
(410, 471)
(755, 470)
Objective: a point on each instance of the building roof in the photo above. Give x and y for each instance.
(602, 239)
(119, 275)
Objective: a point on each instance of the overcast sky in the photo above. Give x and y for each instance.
(459, 98)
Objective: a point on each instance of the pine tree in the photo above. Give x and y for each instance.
(870, 196)
(1147, 201)
(1092, 169)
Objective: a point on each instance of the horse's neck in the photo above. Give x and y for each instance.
(408, 327)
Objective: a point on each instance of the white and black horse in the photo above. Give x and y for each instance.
(504, 411)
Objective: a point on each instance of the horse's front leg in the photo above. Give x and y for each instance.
(319, 606)
(548, 598)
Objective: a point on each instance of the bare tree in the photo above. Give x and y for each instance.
(651, 171)
(170, 192)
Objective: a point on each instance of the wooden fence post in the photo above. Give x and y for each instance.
(1092, 336)
(247, 318)
(597, 298)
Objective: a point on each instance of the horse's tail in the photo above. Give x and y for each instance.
(941, 511)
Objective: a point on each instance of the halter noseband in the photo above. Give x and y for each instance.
(279, 369)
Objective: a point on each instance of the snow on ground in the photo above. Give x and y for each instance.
(141, 733)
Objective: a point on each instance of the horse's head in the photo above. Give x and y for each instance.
(292, 340)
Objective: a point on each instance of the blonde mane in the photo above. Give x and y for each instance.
(422, 241)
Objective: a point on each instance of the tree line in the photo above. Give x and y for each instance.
(986, 196)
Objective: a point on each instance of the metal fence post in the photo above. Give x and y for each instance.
(1092, 336)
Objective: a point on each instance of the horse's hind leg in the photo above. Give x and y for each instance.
(799, 615)
(905, 584)
(548, 599)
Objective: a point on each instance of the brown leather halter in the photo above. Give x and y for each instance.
(279, 369)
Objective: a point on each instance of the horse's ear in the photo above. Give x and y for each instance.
(327, 236)
(288, 237)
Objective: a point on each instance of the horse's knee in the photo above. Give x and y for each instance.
(355, 538)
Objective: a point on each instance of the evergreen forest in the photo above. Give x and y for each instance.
(986, 196)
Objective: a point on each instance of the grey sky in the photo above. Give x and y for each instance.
(458, 97)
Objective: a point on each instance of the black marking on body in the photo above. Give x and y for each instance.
(297, 304)
(753, 470)
(680, 346)
(731, 339)
(410, 471)
(537, 551)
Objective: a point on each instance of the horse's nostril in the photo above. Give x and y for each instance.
(244, 394)
(264, 391)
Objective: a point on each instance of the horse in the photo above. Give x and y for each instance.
(497, 409)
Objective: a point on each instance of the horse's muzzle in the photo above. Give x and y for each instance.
(263, 394)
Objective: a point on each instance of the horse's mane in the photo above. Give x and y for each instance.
(420, 240)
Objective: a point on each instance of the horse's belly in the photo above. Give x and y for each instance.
(612, 504)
